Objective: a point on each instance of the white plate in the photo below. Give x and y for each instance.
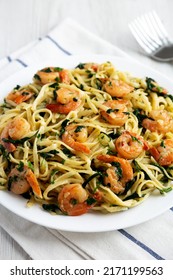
(90, 222)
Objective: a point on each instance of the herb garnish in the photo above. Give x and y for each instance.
(17, 87)
(118, 169)
(67, 152)
(49, 154)
(4, 152)
(90, 178)
(30, 165)
(136, 139)
(80, 66)
(12, 179)
(51, 208)
(140, 116)
(18, 141)
(91, 200)
(37, 77)
(79, 128)
(58, 69)
(20, 167)
(46, 70)
(63, 126)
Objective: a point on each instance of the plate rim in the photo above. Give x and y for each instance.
(73, 59)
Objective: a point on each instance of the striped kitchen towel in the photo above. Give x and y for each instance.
(149, 240)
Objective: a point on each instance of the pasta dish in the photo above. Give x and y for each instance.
(92, 138)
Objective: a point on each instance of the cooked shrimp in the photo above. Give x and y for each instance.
(118, 174)
(21, 179)
(161, 121)
(67, 101)
(129, 145)
(116, 113)
(72, 200)
(74, 136)
(117, 88)
(64, 76)
(15, 129)
(163, 153)
(52, 74)
(18, 96)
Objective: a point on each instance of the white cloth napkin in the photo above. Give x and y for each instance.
(150, 240)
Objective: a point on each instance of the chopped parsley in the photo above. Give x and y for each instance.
(140, 116)
(162, 144)
(150, 83)
(97, 174)
(17, 141)
(136, 139)
(17, 87)
(63, 126)
(80, 66)
(20, 167)
(90, 201)
(118, 169)
(81, 86)
(58, 69)
(137, 168)
(4, 152)
(37, 77)
(12, 179)
(112, 110)
(49, 154)
(46, 70)
(79, 128)
(52, 176)
(30, 165)
(166, 190)
(25, 93)
(67, 152)
(54, 85)
(57, 79)
(51, 208)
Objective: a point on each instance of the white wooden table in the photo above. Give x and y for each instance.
(22, 21)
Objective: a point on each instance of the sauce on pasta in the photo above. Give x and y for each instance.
(92, 138)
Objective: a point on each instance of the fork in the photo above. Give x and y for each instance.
(152, 36)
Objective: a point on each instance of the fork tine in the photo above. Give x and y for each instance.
(140, 39)
(147, 22)
(143, 28)
(160, 28)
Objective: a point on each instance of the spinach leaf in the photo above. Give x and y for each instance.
(4, 152)
(118, 169)
(140, 116)
(51, 208)
(81, 65)
(67, 152)
(63, 126)
(90, 178)
(49, 154)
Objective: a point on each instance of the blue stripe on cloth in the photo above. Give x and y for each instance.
(9, 58)
(62, 49)
(21, 62)
(140, 244)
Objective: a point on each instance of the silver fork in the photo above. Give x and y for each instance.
(151, 35)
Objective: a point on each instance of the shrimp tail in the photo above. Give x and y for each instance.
(8, 146)
(30, 177)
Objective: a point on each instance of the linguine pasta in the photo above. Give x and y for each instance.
(88, 138)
